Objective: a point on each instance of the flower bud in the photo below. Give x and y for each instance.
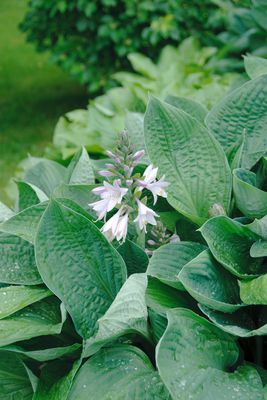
(216, 210)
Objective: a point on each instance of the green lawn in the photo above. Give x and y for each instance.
(33, 94)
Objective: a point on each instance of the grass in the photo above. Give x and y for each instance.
(33, 94)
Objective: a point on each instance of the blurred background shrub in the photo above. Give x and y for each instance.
(91, 38)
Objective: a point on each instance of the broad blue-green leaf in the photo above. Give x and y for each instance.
(17, 261)
(80, 194)
(127, 314)
(134, 124)
(80, 170)
(241, 323)
(38, 319)
(193, 358)
(210, 284)
(254, 291)
(259, 249)
(29, 195)
(44, 354)
(255, 66)
(143, 65)
(251, 200)
(160, 297)
(56, 381)
(134, 256)
(245, 108)
(192, 160)
(5, 212)
(191, 107)
(78, 264)
(259, 226)
(14, 380)
(14, 298)
(230, 242)
(167, 261)
(158, 324)
(121, 372)
(46, 175)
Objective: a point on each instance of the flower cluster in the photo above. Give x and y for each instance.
(123, 190)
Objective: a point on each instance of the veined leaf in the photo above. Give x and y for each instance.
(251, 200)
(134, 124)
(14, 298)
(191, 107)
(78, 264)
(240, 323)
(192, 160)
(127, 314)
(158, 324)
(29, 195)
(80, 194)
(134, 256)
(259, 249)
(14, 380)
(210, 284)
(193, 356)
(245, 108)
(5, 212)
(259, 226)
(254, 291)
(167, 261)
(230, 242)
(38, 319)
(80, 170)
(120, 372)
(255, 66)
(17, 261)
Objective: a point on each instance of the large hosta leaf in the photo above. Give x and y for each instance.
(80, 194)
(255, 66)
(5, 212)
(17, 261)
(251, 200)
(14, 298)
(193, 356)
(166, 262)
(78, 264)
(254, 291)
(244, 109)
(134, 256)
(122, 372)
(190, 106)
(245, 323)
(210, 284)
(80, 170)
(127, 314)
(230, 242)
(192, 160)
(14, 380)
(39, 319)
(29, 195)
(259, 249)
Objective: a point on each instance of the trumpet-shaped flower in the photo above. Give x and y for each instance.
(116, 226)
(149, 182)
(111, 195)
(145, 216)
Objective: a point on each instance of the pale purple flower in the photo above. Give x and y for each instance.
(116, 226)
(111, 195)
(149, 182)
(145, 216)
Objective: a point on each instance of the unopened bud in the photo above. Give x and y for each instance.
(106, 173)
(216, 210)
(138, 155)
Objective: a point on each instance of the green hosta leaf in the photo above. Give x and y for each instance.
(210, 284)
(193, 356)
(255, 66)
(244, 109)
(14, 380)
(193, 162)
(77, 262)
(39, 319)
(251, 200)
(143, 65)
(230, 242)
(134, 124)
(191, 107)
(160, 297)
(241, 323)
(5, 212)
(122, 372)
(254, 291)
(14, 298)
(259, 226)
(29, 195)
(134, 256)
(127, 314)
(259, 249)
(44, 354)
(17, 261)
(56, 381)
(80, 170)
(80, 194)
(46, 175)
(166, 262)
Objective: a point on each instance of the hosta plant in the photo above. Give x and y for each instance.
(143, 275)
(182, 71)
